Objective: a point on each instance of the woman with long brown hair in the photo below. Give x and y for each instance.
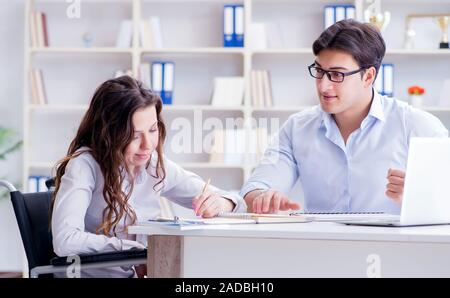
(115, 172)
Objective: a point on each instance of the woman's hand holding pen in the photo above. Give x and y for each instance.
(209, 204)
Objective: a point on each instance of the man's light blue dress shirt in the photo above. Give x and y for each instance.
(339, 177)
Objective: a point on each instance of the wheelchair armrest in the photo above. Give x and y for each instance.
(130, 254)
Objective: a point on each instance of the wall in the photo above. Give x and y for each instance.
(11, 80)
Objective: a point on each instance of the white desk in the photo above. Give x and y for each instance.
(318, 249)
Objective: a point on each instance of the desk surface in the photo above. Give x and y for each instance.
(311, 230)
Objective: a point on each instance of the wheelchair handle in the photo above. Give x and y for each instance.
(8, 185)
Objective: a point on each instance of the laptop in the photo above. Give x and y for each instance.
(426, 196)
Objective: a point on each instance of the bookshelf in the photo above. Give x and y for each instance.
(192, 39)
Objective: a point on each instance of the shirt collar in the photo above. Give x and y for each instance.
(376, 109)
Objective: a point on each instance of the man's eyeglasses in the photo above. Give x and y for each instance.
(333, 75)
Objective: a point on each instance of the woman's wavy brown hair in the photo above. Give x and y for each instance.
(106, 130)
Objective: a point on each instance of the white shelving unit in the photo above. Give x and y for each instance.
(192, 38)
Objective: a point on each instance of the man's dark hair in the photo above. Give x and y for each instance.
(361, 40)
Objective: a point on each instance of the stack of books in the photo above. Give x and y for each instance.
(37, 87)
(261, 88)
(38, 29)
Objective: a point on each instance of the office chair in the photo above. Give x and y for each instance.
(32, 214)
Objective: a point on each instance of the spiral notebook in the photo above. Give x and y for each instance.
(344, 216)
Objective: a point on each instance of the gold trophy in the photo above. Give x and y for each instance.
(373, 15)
(443, 23)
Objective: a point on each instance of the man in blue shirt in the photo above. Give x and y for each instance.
(350, 151)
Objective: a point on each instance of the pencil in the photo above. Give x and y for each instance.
(203, 192)
(206, 186)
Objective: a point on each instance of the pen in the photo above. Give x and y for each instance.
(203, 192)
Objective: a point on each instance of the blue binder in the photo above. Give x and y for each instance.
(239, 20)
(388, 79)
(228, 26)
(334, 13)
(168, 80)
(157, 77)
(384, 83)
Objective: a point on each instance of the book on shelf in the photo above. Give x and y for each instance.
(228, 91)
(261, 88)
(162, 78)
(37, 87)
(38, 29)
(384, 84)
(233, 25)
(125, 35)
(336, 13)
(239, 25)
(150, 33)
(167, 91)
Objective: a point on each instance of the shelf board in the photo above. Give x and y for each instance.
(58, 108)
(388, 51)
(418, 52)
(209, 165)
(41, 165)
(205, 50)
(200, 107)
(282, 51)
(96, 50)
